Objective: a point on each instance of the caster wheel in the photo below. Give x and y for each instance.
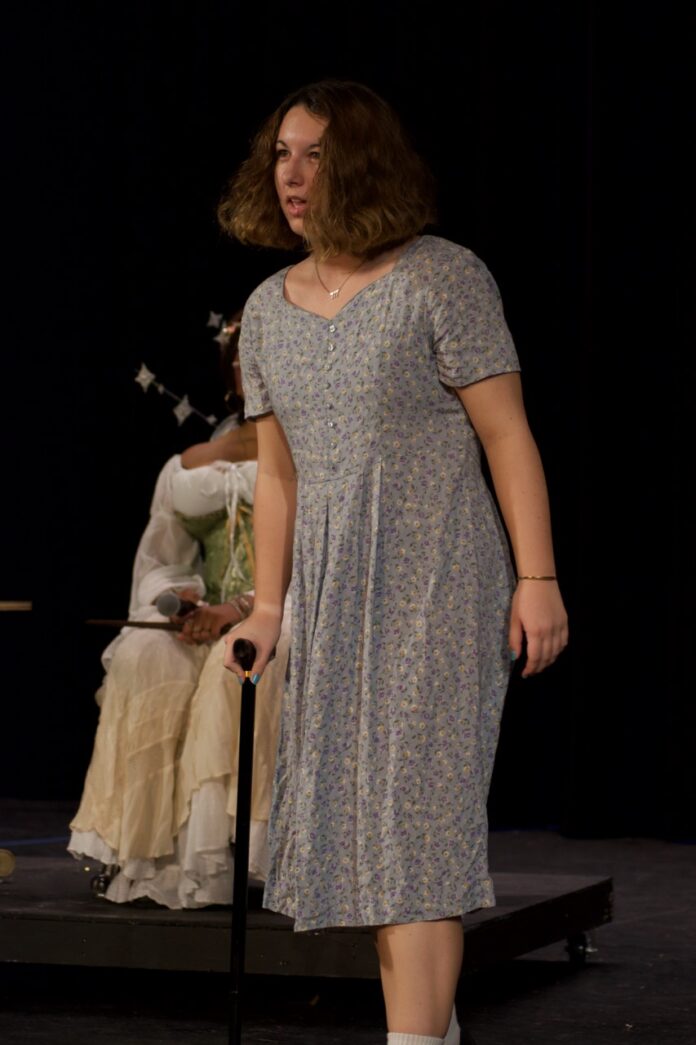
(581, 948)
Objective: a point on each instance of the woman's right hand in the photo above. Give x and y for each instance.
(263, 629)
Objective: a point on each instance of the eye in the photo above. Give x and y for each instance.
(314, 154)
(281, 152)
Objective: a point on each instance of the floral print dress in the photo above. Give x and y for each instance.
(401, 590)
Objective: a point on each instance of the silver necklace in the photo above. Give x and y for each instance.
(334, 293)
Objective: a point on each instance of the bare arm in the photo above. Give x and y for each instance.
(496, 410)
(237, 445)
(275, 501)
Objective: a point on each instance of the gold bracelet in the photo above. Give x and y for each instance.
(532, 578)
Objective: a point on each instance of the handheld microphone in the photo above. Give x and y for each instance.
(170, 605)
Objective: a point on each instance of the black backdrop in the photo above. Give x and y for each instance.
(560, 136)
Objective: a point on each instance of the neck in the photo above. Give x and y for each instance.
(338, 274)
(339, 263)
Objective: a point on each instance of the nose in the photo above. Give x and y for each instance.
(292, 171)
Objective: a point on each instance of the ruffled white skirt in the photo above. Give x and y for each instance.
(160, 794)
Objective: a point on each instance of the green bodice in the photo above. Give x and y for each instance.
(228, 567)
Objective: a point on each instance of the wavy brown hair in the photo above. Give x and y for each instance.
(371, 190)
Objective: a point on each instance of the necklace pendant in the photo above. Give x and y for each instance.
(334, 293)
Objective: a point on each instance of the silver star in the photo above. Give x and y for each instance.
(182, 410)
(144, 377)
(214, 319)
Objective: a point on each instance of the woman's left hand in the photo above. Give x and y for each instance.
(205, 623)
(539, 615)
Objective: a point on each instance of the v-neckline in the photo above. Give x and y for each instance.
(329, 319)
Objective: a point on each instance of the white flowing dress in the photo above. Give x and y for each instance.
(161, 790)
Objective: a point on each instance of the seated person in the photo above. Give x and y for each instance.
(159, 800)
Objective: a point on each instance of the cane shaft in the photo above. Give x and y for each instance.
(245, 763)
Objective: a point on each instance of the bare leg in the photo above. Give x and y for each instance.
(419, 966)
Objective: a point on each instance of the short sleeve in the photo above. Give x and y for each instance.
(257, 401)
(471, 337)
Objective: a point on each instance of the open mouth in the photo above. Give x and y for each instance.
(296, 206)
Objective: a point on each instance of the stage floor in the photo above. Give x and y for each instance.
(638, 987)
(48, 915)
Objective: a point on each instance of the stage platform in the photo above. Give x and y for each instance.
(48, 915)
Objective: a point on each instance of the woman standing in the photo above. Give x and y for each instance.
(377, 367)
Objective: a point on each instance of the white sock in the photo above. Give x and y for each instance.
(453, 1037)
(412, 1039)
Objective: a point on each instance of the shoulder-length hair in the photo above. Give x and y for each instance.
(371, 190)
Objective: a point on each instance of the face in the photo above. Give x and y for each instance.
(297, 160)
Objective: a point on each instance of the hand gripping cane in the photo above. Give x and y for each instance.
(245, 655)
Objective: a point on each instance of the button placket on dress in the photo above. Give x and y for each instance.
(331, 423)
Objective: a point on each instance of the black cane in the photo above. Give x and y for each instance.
(245, 655)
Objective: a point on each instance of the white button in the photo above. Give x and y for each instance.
(331, 424)
(332, 329)
(331, 347)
